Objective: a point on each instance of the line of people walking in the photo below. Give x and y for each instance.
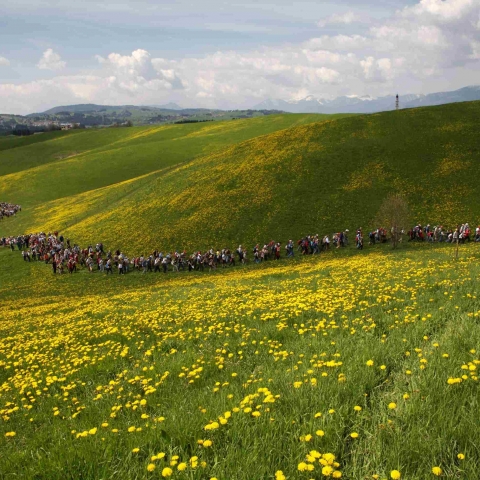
(58, 251)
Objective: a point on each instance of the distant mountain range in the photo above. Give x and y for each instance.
(367, 104)
(91, 115)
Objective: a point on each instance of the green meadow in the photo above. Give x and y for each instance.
(355, 365)
(340, 366)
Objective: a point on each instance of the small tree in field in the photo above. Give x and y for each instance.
(394, 216)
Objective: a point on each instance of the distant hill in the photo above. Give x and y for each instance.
(91, 115)
(91, 107)
(81, 108)
(170, 106)
(367, 104)
(279, 176)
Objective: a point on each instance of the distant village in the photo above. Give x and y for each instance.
(80, 116)
(22, 126)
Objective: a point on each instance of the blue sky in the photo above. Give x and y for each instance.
(231, 54)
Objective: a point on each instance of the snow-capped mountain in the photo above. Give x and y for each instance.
(368, 104)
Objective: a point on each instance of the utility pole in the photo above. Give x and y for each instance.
(397, 103)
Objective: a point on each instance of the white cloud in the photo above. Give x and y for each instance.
(4, 62)
(51, 61)
(336, 19)
(444, 10)
(380, 70)
(337, 43)
(325, 57)
(475, 55)
(138, 70)
(134, 64)
(327, 75)
(426, 44)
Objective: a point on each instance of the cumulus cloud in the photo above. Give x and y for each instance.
(136, 64)
(424, 43)
(4, 62)
(51, 61)
(381, 70)
(443, 10)
(138, 70)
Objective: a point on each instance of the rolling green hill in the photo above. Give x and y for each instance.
(246, 181)
(65, 163)
(90, 115)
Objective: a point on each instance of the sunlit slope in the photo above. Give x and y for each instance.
(58, 165)
(310, 179)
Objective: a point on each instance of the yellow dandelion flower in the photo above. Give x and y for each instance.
(167, 472)
(302, 467)
(327, 470)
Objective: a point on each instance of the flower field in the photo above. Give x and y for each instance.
(346, 366)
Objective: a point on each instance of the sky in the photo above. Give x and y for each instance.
(231, 54)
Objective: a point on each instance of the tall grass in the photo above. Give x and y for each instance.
(370, 358)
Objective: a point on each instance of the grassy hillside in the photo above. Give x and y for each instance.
(195, 186)
(367, 363)
(61, 165)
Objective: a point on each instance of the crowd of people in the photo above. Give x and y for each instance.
(9, 209)
(437, 233)
(58, 251)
